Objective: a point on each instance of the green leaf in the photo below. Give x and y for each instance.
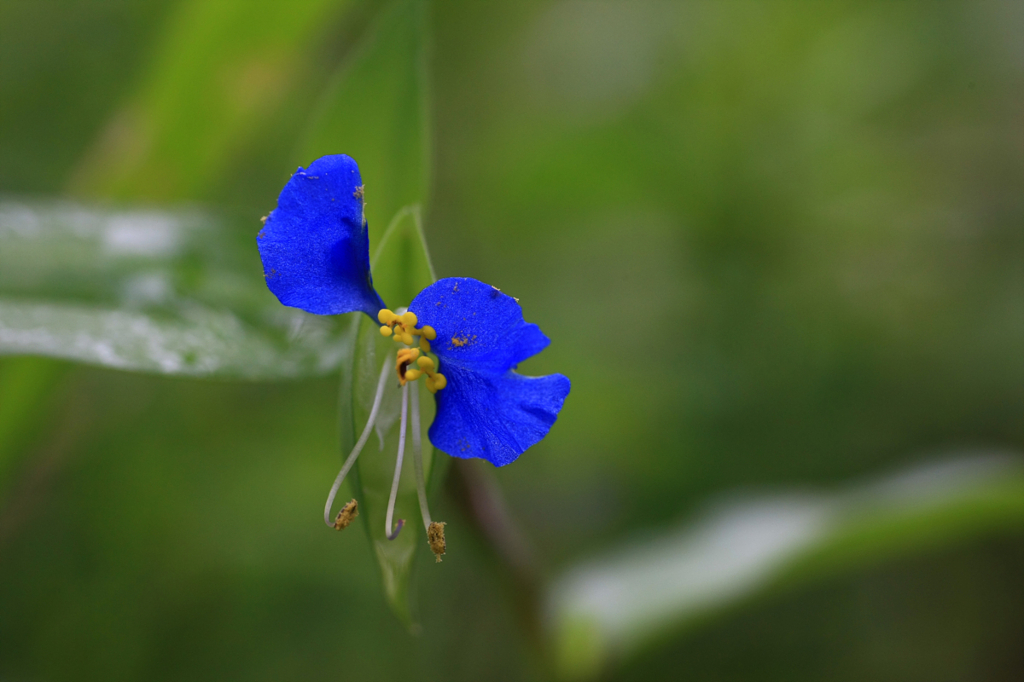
(376, 112)
(151, 291)
(219, 73)
(404, 266)
(612, 607)
(401, 265)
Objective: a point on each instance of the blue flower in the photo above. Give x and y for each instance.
(314, 245)
(315, 254)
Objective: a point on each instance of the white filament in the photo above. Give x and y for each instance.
(359, 446)
(417, 458)
(388, 530)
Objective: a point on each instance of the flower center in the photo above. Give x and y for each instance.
(402, 328)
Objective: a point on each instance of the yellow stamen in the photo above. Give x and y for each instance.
(404, 358)
(436, 382)
(403, 329)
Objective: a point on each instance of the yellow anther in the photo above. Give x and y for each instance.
(403, 329)
(407, 355)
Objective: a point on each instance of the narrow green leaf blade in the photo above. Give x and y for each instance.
(404, 264)
(376, 112)
(219, 74)
(150, 291)
(613, 607)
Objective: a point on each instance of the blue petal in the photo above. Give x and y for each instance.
(478, 327)
(314, 246)
(486, 410)
(495, 417)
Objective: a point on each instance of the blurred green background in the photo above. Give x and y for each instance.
(777, 246)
